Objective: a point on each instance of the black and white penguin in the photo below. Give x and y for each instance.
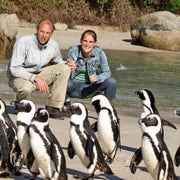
(155, 153)
(176, 112)
(46, 148)
(9, 147)
(149, 107)
(26, 110)
(84, 143)
(177, 157)
(108, 126)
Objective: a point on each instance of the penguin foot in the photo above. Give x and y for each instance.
(133, 167)
(4, 174)
(177, 157)
(17, 173)
(33, 178)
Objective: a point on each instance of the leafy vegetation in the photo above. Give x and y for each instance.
(120, 13)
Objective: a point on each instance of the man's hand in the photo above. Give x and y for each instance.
(71, 63)
(42, 85)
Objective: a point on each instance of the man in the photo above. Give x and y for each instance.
(36, 64)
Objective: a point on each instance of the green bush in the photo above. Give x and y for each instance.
(120, 13)
(175, 4)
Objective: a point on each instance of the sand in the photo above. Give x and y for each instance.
(129, 128)
(105, 39)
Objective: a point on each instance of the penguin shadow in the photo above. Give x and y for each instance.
(141, 168)
(106, 176)
(127, 40)
(25, 176)
(127, 148)
(74, 172)
(132, 42)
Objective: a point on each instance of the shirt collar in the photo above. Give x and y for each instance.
(40, 46)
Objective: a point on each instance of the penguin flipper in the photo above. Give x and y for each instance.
(30, 158)
(177, 157)
(54, 157)
(167, 123)
(89, 148)
(136, 159)
(31, 163)
(15, 152)
(162, 166)
(70, 150)
(11, 135)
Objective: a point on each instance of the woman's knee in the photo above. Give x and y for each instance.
(111, 82)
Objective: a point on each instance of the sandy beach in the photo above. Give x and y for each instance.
(129, 128)
(105, 39)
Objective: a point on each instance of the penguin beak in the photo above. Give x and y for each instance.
(137, 92)
(140, 94)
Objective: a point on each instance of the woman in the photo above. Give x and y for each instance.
(90, 72)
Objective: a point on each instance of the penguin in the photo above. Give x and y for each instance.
(84, 143)
(155, 153)
(149, 107)
(25, 112)
(176, 112)
(177, 157)
(46, 148)
(9, 147)
(108, 126)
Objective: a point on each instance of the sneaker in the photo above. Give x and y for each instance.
(15, 105)
(55, 113)
(67, 105)
(67, 109)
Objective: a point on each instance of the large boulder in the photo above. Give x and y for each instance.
(158, 30)
(9, 24)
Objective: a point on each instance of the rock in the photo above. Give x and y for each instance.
(96, 28)
(9, 24)
(60, 27)
(177, 112)
(25, 24)
(158, 30)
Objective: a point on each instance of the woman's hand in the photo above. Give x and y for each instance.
(93, 78)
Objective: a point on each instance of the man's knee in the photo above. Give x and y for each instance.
(23, 94)
(66, 69)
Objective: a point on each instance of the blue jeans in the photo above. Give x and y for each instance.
(83, 90)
